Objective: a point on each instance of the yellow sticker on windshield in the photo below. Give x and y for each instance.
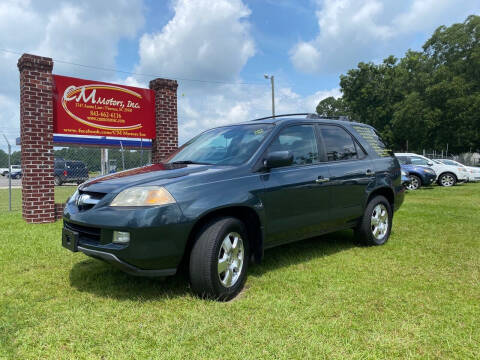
(259, 131)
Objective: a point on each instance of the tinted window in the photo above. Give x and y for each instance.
(418, 160)
(300, 140)
(374, 140)
(338, 143)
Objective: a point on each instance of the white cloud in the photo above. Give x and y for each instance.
(85, 32)
(213, 46)
(361, 30)
(236, 103)
(207, 39)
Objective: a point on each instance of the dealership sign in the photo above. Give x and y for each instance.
(94, 108)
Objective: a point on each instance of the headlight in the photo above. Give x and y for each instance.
(143, 196)
(430, 171)
(404, 173)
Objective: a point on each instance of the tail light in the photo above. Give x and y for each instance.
(65, 173)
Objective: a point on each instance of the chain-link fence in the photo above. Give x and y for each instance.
(468, 159)
(73, 165)
(10, 178)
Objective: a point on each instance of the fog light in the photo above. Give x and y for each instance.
(121, 237)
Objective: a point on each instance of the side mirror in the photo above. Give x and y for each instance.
(429, 163)
(278, 159)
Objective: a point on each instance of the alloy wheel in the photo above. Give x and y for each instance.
(447, 180)
(414, 183)
(379, 221)
(230, 259)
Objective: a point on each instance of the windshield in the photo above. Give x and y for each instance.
(230, 145)
(450, 162)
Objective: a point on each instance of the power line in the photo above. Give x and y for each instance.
(140, 74)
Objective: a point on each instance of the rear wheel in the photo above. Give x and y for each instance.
(447, 179)
(415, 182)
(219, 259)
(376, 223)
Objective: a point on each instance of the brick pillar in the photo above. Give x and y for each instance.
(166, 140)
(36, 135)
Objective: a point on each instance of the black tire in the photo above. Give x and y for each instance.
(205, 279)
(57, 181)
(415, 182)
(364, 232)
(447, 179)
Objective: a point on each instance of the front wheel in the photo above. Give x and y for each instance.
(219, 259)
(57, 181)
(447, 180)
(415, 182)
(376, 223)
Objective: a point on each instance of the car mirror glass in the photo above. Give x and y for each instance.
(278, 159)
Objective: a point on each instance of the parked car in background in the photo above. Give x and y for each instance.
(447, 175)
(233, 191)
(16, 174)
(69, 171)
(15, 168)
(405, 179)
(418, 175)
(473, 172)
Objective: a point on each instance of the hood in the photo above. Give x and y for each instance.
(152, 173)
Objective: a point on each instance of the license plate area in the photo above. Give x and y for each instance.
(70, 239)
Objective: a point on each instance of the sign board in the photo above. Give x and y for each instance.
(94, 108)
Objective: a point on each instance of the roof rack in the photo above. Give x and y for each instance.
(307, 116)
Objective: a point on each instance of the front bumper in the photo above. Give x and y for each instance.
(124, 266)
(157, 237)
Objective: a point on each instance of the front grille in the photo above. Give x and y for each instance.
(84, 232)
(92, 199)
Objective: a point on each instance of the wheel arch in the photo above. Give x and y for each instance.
(246, 214)
(385, 192)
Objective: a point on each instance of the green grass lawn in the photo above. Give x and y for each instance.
(416, 297)
(62, 193)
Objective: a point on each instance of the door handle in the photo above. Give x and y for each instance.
(322, 180)
(369, 172)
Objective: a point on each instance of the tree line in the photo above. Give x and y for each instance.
(424, 100)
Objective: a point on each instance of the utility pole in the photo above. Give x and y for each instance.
(9, 174)
(272, 81)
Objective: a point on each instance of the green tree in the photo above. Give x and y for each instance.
(429, 98)
(332, 107)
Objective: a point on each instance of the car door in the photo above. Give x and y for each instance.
(296, 197)
(350, 173)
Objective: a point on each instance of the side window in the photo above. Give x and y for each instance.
(403, 160)
(338, 143)
(300, 140)
(418, 160)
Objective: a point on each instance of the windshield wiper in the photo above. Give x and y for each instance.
(187, 162)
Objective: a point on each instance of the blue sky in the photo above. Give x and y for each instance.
(305, 44)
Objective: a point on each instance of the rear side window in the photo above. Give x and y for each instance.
(300, 140)
(374, 140)
(338, 143)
